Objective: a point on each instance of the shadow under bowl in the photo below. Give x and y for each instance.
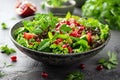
(55, 59)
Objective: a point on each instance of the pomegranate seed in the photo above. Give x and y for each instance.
(38, 40)
(53, 33)
(65, 46)
(68, 23)
(99, 67)
(44, 74)
(13, 58)
(69, 49)
(74, 34)
(82, 66)
(58, 41)
(82, 28)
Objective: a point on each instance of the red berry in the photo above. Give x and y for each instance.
(99, 67)
(13, 58)
(82, 66)
(44, 74)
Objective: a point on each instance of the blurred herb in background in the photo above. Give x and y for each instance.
(107, 11)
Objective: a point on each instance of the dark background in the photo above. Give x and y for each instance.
(28, 69)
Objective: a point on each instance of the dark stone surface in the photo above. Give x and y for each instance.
(28, 69)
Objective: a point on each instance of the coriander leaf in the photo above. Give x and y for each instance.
(75, 76)
(4, 26)
(5, 49)
(43, 44)
(64, 28)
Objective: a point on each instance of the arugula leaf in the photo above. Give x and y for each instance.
(44, 44)
(75, 76)
(5, 49)
(112, 61)
(50, 35)
(4, 26)
(68, 16)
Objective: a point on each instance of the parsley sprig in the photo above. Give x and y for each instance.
(4, 26)
(5, 49)
(75, 76)
(111, 62)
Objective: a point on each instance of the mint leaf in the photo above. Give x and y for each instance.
(64, 28)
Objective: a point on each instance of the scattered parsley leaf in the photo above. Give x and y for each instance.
(112, 61)
(75, 76)
(1, 74)
(13, 18)
(4, 26)
(5, 49)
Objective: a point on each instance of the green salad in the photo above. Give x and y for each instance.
(68, 35)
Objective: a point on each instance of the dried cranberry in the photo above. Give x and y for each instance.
(13, 58)
(99, 67)
(82, 66)
(44, 74)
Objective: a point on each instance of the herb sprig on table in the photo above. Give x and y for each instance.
(4, 25)
(5, 49)
(111, 62)
(75, 76)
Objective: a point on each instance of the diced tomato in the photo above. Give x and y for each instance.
(89, 37)
(28, 36)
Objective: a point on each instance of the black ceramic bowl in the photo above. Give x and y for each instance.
(55, 59)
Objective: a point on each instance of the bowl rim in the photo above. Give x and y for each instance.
(52, 54)
(72, 4)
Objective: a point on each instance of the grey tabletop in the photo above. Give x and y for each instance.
(28, 69)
